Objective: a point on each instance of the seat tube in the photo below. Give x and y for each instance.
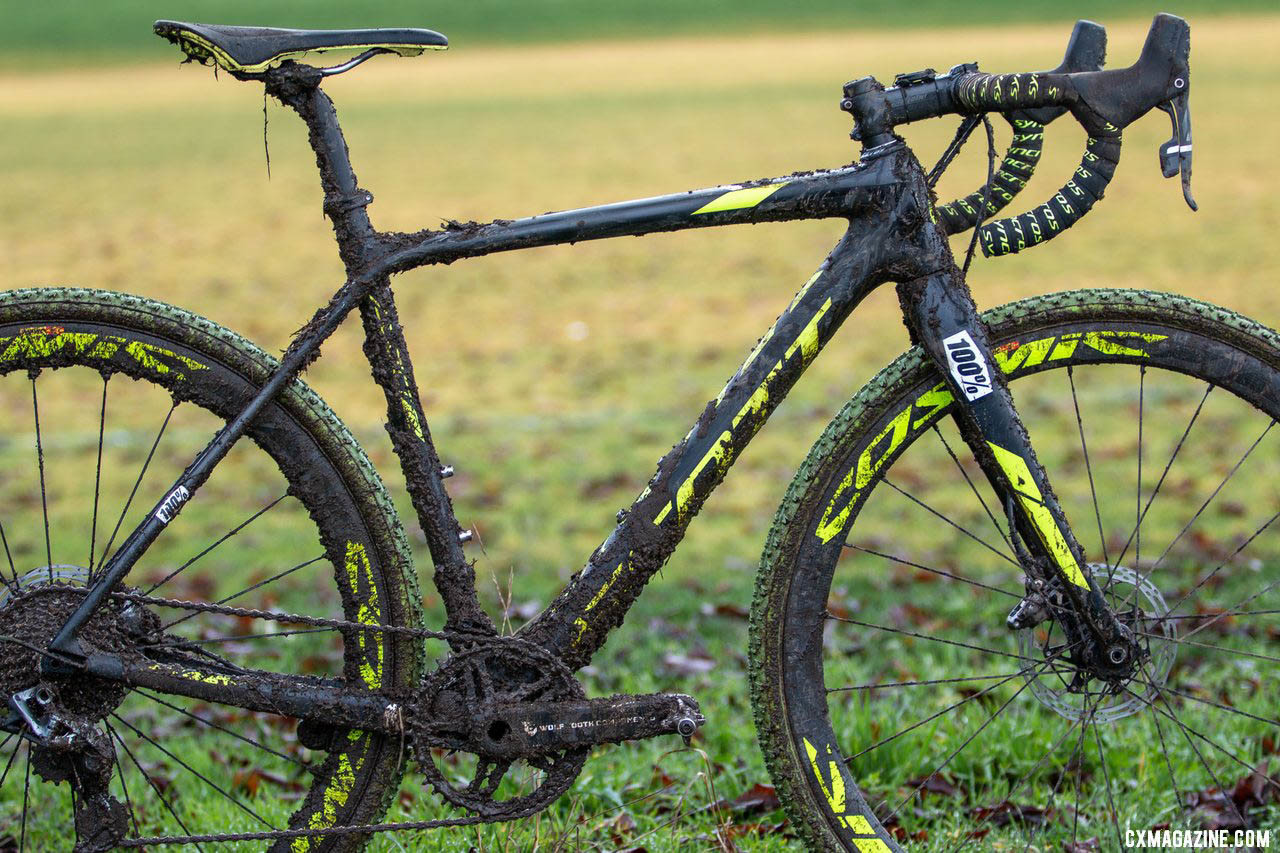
(944, 320)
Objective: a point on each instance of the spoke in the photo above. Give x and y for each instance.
(248, 589)
(44, 499)
(1088, 467)
(1228, 753)
(1232, 612)
(1204, 580)
(1075, 754)
(1039, 665)
(1185, 729)
(1163, 619)
(934, 639)
(97, 478)
(1179, 800)
(1005, 675)
(1106, 774)
(1017, 786)
(12, 756)
(26, 789)
(1185, 642)
(963, 530)
(224, 538)
(221, 728)
(106, 549)
(1213, 704)
(5, 541)
(1137, 527)
(128, 801)
(1075, 809)
(186, 644)
(1137, 534)
(903, 561)
(972, 487)
(1209, 499)
(960, 748)
(195, 772)
(151, 782)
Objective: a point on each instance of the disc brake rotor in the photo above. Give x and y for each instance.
(1068, 691)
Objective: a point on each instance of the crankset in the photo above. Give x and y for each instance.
(506, 703)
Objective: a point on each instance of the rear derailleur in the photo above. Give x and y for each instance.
(73, 748)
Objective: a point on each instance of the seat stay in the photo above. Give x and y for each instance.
(249, 50)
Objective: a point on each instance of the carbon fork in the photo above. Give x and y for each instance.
(943, 319)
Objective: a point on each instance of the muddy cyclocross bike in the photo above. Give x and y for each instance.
(946, 651)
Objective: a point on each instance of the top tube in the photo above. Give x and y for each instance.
(824, 194)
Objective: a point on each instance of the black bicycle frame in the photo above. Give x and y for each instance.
(891, 237)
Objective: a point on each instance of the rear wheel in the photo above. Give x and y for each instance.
(103, 399)
(894, 707)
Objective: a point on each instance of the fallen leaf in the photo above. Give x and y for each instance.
(935, 783)
(1087, 846)
(691, 664)
(1002, 814)
(726, 609)
(759, 799)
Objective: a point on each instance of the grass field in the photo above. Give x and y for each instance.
(64, 32)
(555, 378)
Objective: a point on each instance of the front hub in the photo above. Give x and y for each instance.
(1113, 681)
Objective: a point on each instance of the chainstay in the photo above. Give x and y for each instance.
(318, 622)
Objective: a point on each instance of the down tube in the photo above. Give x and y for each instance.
(596, 600)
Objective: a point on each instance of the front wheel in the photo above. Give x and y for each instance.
(894, 707)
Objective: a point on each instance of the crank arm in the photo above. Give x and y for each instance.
(306, 698)
(532, 729)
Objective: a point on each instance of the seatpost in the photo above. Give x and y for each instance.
(298, 87)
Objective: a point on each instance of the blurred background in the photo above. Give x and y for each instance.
(555, 378)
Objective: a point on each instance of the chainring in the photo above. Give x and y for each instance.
(466, 773)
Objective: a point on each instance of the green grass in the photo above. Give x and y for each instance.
(151, 180)
(67, 32)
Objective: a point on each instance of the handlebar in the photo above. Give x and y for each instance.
(1103, 102)
(1016, 168)
(1086, 51)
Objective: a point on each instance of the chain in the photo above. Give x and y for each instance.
(298, 618)
(275, 834)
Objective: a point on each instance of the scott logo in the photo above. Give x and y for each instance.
(967, 366)
(169, 508)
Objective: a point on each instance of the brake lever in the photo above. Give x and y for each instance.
(1175, 155)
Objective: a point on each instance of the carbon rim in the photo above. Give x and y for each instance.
(282, 526)
(941, 809)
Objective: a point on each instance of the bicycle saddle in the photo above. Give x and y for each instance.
(251, 49)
